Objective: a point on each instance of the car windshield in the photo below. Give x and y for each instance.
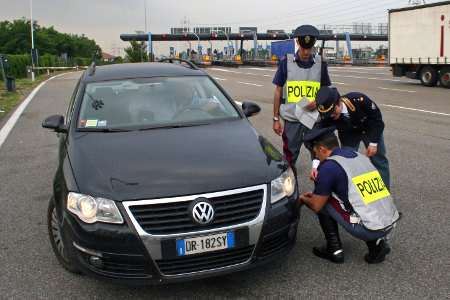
(147, 103)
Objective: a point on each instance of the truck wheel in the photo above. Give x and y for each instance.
(61, 250)
(444, 78)
(428, 76)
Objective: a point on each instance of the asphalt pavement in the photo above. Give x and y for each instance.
(417, 135)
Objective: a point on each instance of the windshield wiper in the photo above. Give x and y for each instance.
(172, 126)
(104, 129)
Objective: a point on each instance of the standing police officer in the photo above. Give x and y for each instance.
(349, 191)
(357, 118)
(297, 81)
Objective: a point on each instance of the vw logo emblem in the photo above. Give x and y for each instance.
(202, 212)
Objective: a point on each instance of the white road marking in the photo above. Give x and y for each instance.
(263, 69)
(396, 90)
(218, 78)
(359, 72)
(362, 68)
(9, 125)
(370, 78)
(227, 71)
(234, 72)
(341, 83)
(249, 83)
(416, 109)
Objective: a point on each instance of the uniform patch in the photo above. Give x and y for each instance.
(374, 107)
(299, 90)
(371, 187)
(348, 103)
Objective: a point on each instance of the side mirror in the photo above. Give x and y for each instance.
(250, 109)
(55, 122)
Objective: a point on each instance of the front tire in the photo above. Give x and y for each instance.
(428, 76)
(61, 250)
(444, 77)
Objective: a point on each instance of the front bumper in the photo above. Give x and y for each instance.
(130, 255)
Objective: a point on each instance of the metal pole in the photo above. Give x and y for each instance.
(32, 41)
(150, 47)
(145, 14)
(255, 45)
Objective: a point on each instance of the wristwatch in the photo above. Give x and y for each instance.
(276, 119)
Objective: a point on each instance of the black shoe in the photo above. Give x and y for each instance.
(333, 248)
(377, 252)
(336, 256)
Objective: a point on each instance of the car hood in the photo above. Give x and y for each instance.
(172, 161)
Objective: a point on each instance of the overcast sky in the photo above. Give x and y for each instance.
(105, 20)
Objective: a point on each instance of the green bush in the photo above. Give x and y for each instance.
(18, 65)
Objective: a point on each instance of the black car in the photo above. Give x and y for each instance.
(162, 178)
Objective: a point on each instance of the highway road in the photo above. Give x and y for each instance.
(418, 140)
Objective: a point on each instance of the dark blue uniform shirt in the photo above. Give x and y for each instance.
(281, 74)
(332, 177)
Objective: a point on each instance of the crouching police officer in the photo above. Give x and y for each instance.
(297, 81)
(357, 118)
(349, 191)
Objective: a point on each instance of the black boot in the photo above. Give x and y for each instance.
(378, 249)
(333, 249)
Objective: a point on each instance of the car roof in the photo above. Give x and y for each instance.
(140, 70)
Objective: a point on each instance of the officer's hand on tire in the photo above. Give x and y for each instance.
(371, 151)
(277, 128)
(313, 174)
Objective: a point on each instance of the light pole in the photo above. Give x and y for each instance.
(145, 15)
(32, 41)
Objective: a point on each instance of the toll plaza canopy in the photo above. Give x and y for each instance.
(244, 36)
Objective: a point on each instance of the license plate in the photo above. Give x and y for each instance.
(206, 243)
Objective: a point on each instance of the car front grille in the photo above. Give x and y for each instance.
(202, 262)
(174, 217)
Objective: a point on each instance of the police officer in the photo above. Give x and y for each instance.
(297, 81)
(357, 119)
(349, 191)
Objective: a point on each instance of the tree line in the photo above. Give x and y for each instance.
(15, 39)
(55, 49)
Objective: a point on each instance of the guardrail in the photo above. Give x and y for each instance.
(58, 68)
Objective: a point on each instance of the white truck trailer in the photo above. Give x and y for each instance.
(419, 43)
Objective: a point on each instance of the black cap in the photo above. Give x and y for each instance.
(307, 35)
(317, 134)
(326, 99)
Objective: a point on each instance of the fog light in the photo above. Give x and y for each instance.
(292, 234)
(96, 261)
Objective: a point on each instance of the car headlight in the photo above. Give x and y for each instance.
(91, 210)
(283, 186)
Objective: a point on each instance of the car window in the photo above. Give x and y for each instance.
(144, 102)
(71, 107)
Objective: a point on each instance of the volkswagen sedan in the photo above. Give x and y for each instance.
(162, 178)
